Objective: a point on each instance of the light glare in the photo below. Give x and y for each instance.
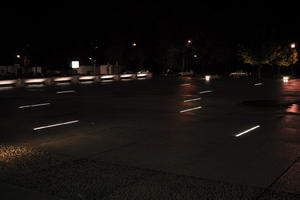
(8, 82)
(126, 76)
(75, 64)
(207, 78)
(35, 80)
(63, 79)
(285, 79)
(82, 78)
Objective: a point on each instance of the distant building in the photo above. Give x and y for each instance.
(86, 70)
(106, 69)
(102, 69)
(9, 70)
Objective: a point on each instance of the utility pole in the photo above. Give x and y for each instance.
(94, 66)
(117, 64)
(183, 61)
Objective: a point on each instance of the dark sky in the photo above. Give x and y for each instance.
(66, 30)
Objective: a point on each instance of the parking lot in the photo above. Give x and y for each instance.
(239, 133)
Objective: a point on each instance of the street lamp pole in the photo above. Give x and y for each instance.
(189, 42)
(19, 68)
(93, 62)
(94, 66)
(293, 47)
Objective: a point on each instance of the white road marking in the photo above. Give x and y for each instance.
(190, 100)
(258, 84)
(54, 125)
(247, 131)
(36, 105)
(64, 92)
(187, 84)
(207, 91)
(191, 109)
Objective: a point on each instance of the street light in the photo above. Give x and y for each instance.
(285, 79)
(189, 42)
(207, 78)
(134, 44)
(293, 45)
(18, 56)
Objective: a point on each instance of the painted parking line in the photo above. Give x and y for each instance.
(247, 131)
(55, 125)
(190, 100)
(191, 109)
(206, 91)
(35, 105)
(258, 84)
(64, 92)
(187, 84)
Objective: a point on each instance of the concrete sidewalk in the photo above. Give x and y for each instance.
(12, 192)
(88, 179)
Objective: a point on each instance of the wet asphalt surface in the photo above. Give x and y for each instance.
(131, 140)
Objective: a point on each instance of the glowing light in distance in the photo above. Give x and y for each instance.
(107, 76)
(190, 100)
(64, 92)
(247, 131)
(75, 64)
(207, 78)
(258, 84)
(36, 105)
(126, 75)
(142, 75)
(191, 109)
(86, 77)
(207, 91)
(187, 84)
(63, 79)
(293, 45)
(35, 80)
(285, 79)
(55, 125)
(8, 82)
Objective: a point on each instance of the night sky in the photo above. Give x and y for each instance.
(56, 34)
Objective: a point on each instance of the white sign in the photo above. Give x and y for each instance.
(75, 64)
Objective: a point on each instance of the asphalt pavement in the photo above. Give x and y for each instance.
(165, 138)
